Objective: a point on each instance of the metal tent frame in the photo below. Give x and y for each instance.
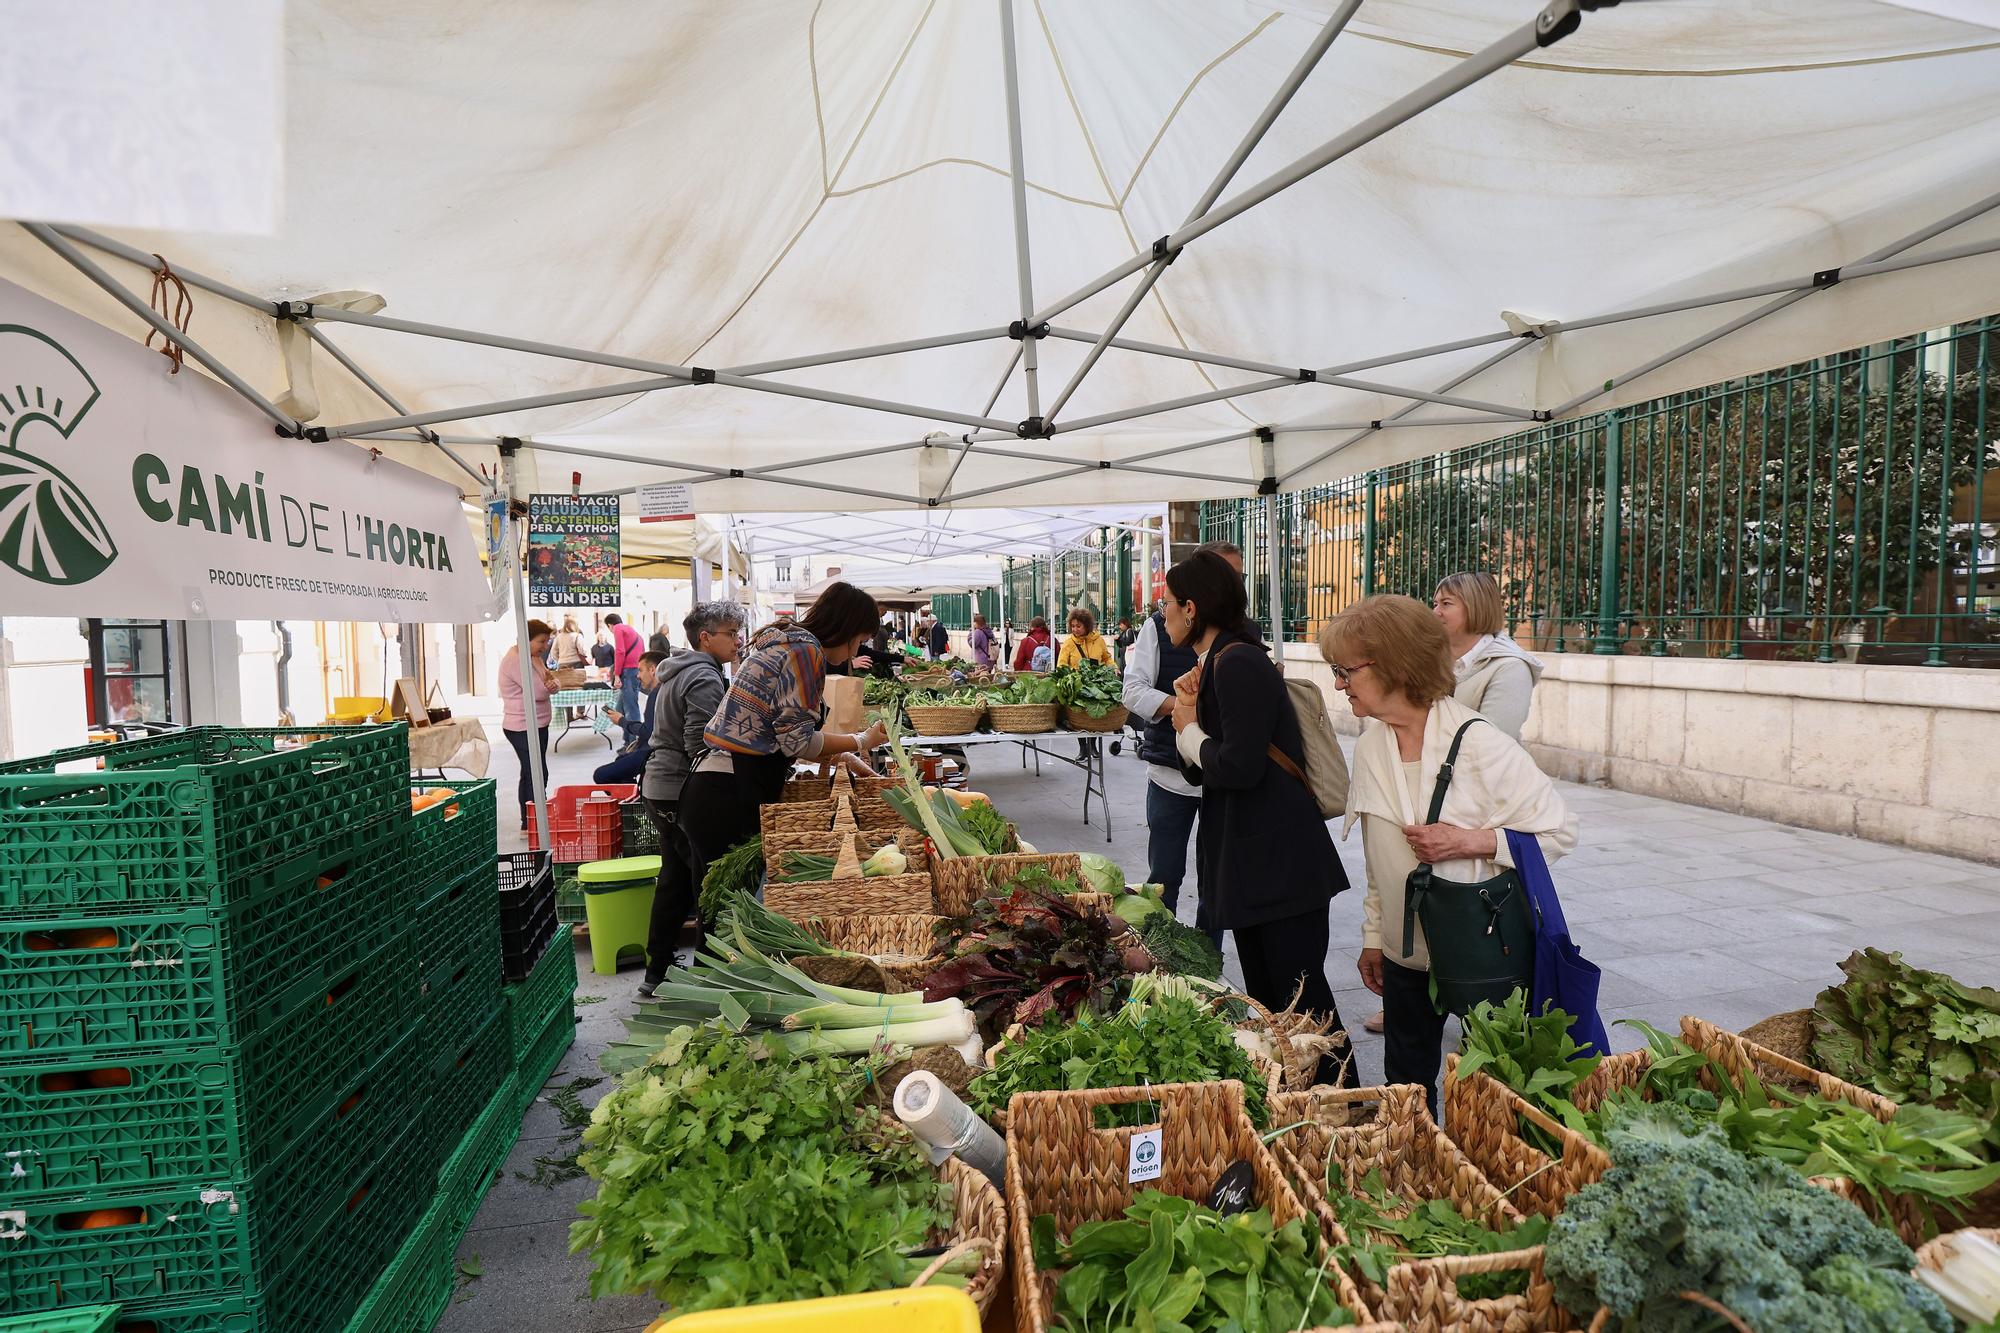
(985, 434)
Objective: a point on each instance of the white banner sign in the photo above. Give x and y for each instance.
(126, 491)
(665, 501)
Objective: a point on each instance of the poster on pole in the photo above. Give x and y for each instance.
(126, 491)
(573, 551)
(666, 502)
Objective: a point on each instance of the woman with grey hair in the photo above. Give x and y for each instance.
(690, 687)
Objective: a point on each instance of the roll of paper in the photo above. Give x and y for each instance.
(947, 1127)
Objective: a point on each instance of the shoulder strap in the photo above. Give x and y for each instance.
(1443, 784)
(1277, 756)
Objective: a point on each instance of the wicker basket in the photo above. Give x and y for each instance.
(1022, 719)
(964, 880)
(1059, 1162)
(1935, 1254)
(945, 719)
(1417, 1162)
(978, 1219)
(1078, 720)
(850, 893)
(1788, 1034)
(804, 789)
(866, 843)
(1483, 1117)
(795, 817)
(904, 947)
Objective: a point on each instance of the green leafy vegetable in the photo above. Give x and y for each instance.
(1683, 1211)
(1911, 1035)
(995, 835)
(732, 1172)
(1164, 1040)
(1170, 1263)
(1022, 957)
(1179, 948)
(1092, 688)
(1385, 1229)
(1532, 1054)
(738, 870)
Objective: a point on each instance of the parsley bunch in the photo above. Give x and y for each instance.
(732, 1173)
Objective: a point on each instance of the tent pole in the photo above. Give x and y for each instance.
(83, 264)
(1023, 271)
(1890, 251)
(1173, 405)
(538, 781)
(132, 254)
(1254, 136)
(1514, 346)
(713, 474)
(630, 388)
(1276, 586)
(354, 369)
(969, 440)
(1298, 376)
(1459, 77)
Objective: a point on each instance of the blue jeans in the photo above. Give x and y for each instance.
(628, 701)
(1170, 820)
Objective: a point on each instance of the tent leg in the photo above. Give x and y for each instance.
(1024, 272)
(538, 781)
(1274, 552)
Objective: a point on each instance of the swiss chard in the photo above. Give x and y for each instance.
(1027, 955)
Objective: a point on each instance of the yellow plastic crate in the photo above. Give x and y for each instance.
(919, 1310)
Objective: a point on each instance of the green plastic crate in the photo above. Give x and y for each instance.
(79, 982)
(174, 1245)
(235, 1316)
(415, 1289)
(82, 1319)
(539, 1063)
(451, 838)
(464, 1076)
(210, 816)
(458, 922)
(550, 988)
(471, 1168)
(353, 1242)
(569, 897)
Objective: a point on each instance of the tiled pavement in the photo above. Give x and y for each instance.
(1687, 910)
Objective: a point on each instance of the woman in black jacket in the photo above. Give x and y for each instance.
(1268, 867)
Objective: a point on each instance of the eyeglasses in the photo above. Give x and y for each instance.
(1342, 673)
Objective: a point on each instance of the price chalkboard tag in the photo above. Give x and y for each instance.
(1142, 1157)
(1235, 1191)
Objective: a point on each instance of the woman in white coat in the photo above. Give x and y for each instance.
(1389, 656)
(1496, 676)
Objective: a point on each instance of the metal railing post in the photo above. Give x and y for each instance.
(1368, 535)
(1607, 641)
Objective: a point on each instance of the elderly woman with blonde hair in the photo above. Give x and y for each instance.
(1434, 785)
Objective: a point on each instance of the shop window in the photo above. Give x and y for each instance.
(132, 666)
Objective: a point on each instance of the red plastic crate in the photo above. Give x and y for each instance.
(585, 822)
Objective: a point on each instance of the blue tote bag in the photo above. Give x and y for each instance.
(1564, 978)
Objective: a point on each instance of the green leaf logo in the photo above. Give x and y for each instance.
(48, 529)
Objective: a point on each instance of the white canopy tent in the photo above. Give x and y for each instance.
(985, 535)
(1077, 251)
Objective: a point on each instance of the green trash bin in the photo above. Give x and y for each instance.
(618, 904)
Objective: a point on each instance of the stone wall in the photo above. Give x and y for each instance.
(1904, 755)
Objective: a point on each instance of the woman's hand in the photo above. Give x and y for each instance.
(1369, 965)
(1448, 842)
(1183, 711)
(868, 740)
(856, 765)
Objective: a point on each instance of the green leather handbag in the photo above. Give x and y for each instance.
(1481, 936)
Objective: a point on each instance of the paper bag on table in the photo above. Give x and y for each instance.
(844, 709)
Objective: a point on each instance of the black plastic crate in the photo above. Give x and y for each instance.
(527, 910)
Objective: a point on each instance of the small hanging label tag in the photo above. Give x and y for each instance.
(1142, 1157)
(1235, 1191)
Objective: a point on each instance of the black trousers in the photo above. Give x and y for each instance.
(718, 811)
(674, 894)
(1412, 1030)
(526, 791)
(1276, 957)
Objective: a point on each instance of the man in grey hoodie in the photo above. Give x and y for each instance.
(690, 689)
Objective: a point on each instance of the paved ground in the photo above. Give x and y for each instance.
(1688, 910)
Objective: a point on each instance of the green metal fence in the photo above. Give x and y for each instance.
(955, 608)
(1097, 577)
(1834, 510)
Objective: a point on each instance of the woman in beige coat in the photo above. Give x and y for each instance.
(1496, 677)
(1389, 657)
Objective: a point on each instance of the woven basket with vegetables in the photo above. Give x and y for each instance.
(964, 880)
(1428, 1239)
(804, 789)
(903, 947)
(850, 887)
(944, 712)
(1068, 1176)
(823, 849)
(1091, 697)
(1022, 719)
(1110, 720)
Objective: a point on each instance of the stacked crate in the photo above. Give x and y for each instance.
(249, 1009)
(586, 823)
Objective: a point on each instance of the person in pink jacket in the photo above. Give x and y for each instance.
(627, 648)
(513, 706)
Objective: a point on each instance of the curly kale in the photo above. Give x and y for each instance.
(1180, 948)
(1683, 1211)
